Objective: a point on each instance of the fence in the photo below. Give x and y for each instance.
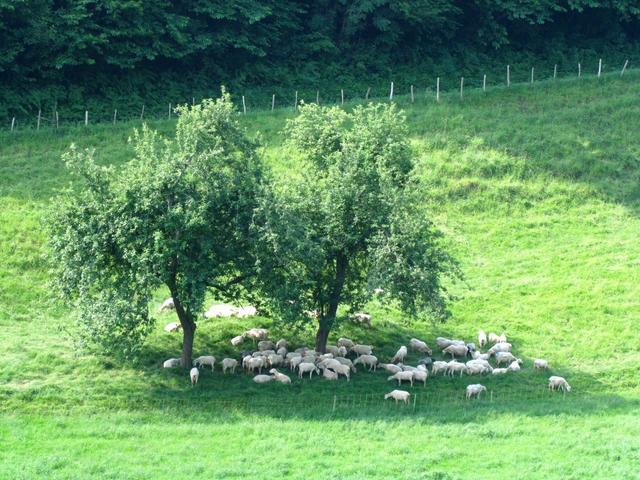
(414, 93)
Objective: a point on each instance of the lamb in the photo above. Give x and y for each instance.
(167, 305)
(475, 389)
(280, 377)
(400, 395)
(171, 363)
(515, 365)
(266, 345)
(262, 378)
(255, 363)
(499, 371)
(235, 341)
(172, 327)
(229, 364)
(420, 376)
(400, 376)
(453, 367)
(205, 360)
(342, 370)
(540, 364)
(400, 355)
(482, 338)
(194, 374)
(329, 374)
(345, 342)
(391, 368)
(420, 346)
(362, 349)
(282, 343)
(456, 350)
(558, 383)
(439, 367)
(368, 360)
(504, 357)
(305, 367)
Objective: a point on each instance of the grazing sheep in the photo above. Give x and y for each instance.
(471, 348)
(515, 365)
(262, 378)
(305, 367)
(332, 349)
(426, 361)
(342, 370)
(172, 327)
(420, 346)
(443, 342)
(275, 360)
(482, 338)
(420, 376)
(171, 363)
(407, 368)
(453, 367)
(205, 360)
(502, 338)
(499, 371)
(558, 383)
(478, 368)
(301, 350)
(282, 343)
(329, 363)
(256, 334)
(475, 389)
(439, 367)
(347, 362)
(456, 350)
(390, 367)
(194, 374)
(480, 356)
(167, 305)
(329, 374)
(290, 355)
(255, 363)
(400, 376)
(295, 362)
(540, 364)
(235, 341)
(266, 345)
(500, 347)
(400, 395)
(229, 364)
(493, 338)
(361, 318)
(400, 355)
(362, 349)
(282, 351)
(325, 356)
(369, 360)
(345, 342)
(504, 357)
(280, 377)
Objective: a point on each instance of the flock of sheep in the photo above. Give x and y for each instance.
(335, 363)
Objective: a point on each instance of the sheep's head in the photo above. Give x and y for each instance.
(273, 371)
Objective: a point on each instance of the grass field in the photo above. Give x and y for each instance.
(538, 191)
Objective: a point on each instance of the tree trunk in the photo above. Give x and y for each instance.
(188, 331)
(322, 335)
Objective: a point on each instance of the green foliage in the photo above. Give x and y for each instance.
(178, 214)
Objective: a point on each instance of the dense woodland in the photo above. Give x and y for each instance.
(72, 52)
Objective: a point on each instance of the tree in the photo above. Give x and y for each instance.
(178, 215)
(351, 221)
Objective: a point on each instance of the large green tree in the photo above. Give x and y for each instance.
(178, 214)
(350, 221)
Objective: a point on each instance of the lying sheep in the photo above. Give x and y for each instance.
(172, 327)
(345, 342)
(167, 305)
(205, 360)
(229, 364)
(307, 367)
(558, 383)
(171, 363)
(220, 310)
(194, 374)
(280, 377)
(420, 376)
(419, 346)
(438, 367)
(368, 360)
(453, 367)
(390, 367)
(499, 371)
(329, 374)
(266, 345)
(262, 378)
(402, 376)
(540, 364)
(362, 349)
(400, 355)
(475, 389)
(482, 338)
(398, 395)
(456, 350)
(246, 311)
(235, 341)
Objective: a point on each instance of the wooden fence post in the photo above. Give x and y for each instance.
(461, 87)
(555, 71)
(508, 75)
(317, 97)
(366, 97)
(411, 93)
(244, 106)
(39, 118)
(341, 96)
(624, 67)
(142, 112)
(391, 92)
(295, 103)
(273, 102)
(86, 118)
(599, 67)
(438, 89)
(532, 69)
(115, 115)
(13, 123)
(169, 111)
(484, 83)
(57, 120)
(579, 70)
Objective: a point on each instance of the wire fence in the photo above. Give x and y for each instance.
(54, 120)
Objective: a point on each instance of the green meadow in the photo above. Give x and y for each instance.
(537, 189)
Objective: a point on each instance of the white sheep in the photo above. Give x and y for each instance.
(478, 368)
(171, 363)
(295, 362)
(398, 395)
(172, 327)
(274, 360)
(438, 367)
(361, 349)
(420, 346)
(332, 349)
(255, 363)
(390, 367)
(345, 342)
(443, 342)
(262, 378)
(280, 377)
(475, 389)
(282, 343)
(305, 367)
(342, 370)
(504, 357)
(400, 376)
(400, 355)
(257, 334)
(266, 345)
(329, 374)
(499, 371)
(235, 341)
(515, 365)
(347, 362)
(167, 305)
(480, 356)
(244, 312)
(220, 310)
(369, 360)
(205, 360)
(558, 383)
(194, 374)
(361, 318)
(229, 364)
(500, 347)
(453, 367)
(407, 368)
(482, 338)
(493, 338)
(502, 338)
(282, 351)
(325, 356)
(420, 376)
(456, 350)
(540, 364)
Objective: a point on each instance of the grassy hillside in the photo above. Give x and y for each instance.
(538, 191)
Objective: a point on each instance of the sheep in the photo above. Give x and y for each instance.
(220, 310)
(229, 364)
(398, 395)
(329, 374)
(420, 346)
(342, 370)
(194, 374)
(205, 360)
(558, 383)
(171, 363)
(332, 349)
(420, 376)
(499, 371)
(361, 318)
(369, 360)
(378, 291)
(290, 355)
(445, 342)
(172, 327)
(504, 357)
(295, 362)
(257, 334)
(456, 350)
(244, 312)
(493, 338)
(262, 378)
(483, 363)
(480, 356)
(478, 368)
(345, 342)
(301, 350)
(471, 348)
(400, 376)
(235, 341)
(540, 364)
(407, 368)
(500, 347)
(347, 362)
(515, 365)
(342, 352)
(307, 367)
(325, 356)
(361, 349)
(502, 338)
(280, 377)
(426, 361)
(422, 367)
(255, 363)
(453, 367)
(400, 355)
(391, 368)
(282, 343)
(475, 389)
(266, 345)
(282, 351)
(439, 367)
(168, 304)
(482, 338)
(329, 363)
(275, 360)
